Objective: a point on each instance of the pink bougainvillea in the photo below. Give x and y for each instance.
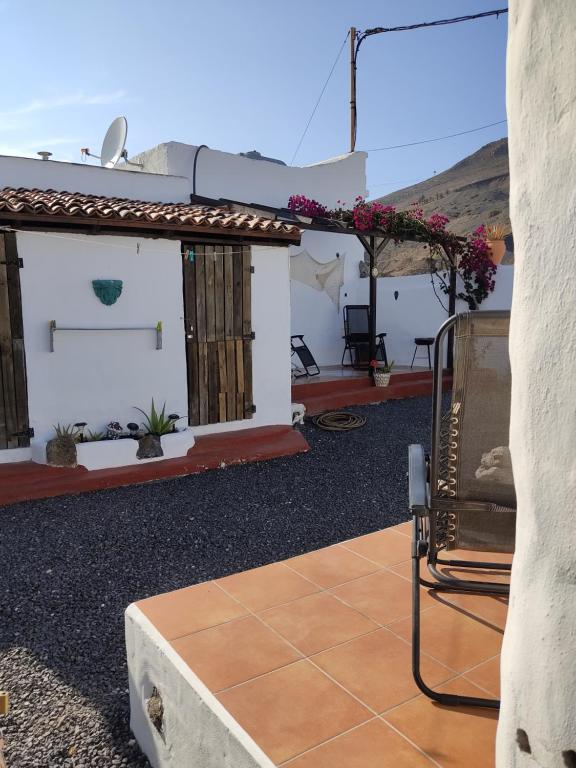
(470, 256)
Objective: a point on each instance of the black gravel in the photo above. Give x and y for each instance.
(70, 566)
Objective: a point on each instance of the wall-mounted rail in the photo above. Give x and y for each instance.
(157, 330)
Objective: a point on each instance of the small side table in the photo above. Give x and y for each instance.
(423, 341)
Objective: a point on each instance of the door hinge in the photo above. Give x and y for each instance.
(250, 337)
(28, 432)
(17, 263)
(252, 270)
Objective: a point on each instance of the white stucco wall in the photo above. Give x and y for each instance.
(100, 376)
(97, 376)
(91, 179)
(538, 667)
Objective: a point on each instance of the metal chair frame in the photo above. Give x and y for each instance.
(423, 476)
(309, 365)
(352, 341)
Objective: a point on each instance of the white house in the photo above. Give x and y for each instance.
(407, 306)
(201, 323)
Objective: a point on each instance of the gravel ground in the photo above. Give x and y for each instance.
(71, 565)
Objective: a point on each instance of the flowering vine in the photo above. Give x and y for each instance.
(470, 256)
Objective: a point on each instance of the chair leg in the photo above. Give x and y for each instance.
(384, 355)
(414, 356)
(429, 361)
(448, 699)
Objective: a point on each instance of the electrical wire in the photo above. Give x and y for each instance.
(336, 60)
(438, 138)
(425, 24)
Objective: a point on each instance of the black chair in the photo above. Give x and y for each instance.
(357, 337)
(300, 349)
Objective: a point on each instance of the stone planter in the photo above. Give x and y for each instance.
(103, 454)
(61, 452)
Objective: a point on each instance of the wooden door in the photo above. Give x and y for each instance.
(218, 327)
(14, 431)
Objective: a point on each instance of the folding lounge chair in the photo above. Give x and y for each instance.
(300, 349)
(357, 337)
(463, 496)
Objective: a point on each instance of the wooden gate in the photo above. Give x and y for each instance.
(217, 302)
(14, 432)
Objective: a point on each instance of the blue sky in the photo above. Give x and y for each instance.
(245, 74)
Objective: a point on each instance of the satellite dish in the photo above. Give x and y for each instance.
(114, 141)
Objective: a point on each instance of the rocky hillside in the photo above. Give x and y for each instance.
(474, 191)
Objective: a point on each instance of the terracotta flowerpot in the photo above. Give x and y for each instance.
(497, 250)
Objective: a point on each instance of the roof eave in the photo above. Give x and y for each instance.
(132, 228)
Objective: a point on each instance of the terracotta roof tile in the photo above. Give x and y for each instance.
(74, 205)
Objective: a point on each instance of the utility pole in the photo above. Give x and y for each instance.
(352, 89)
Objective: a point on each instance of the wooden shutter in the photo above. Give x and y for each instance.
(13, 391)
(218, 326)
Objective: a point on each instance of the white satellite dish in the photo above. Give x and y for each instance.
(114, 142)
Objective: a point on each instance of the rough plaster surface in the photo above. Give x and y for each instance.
(197, 730)
(538, 667)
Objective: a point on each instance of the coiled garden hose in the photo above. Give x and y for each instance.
(338, 421)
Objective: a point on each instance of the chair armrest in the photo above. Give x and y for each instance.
(417, 480)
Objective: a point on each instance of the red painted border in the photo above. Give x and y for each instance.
(24, 481)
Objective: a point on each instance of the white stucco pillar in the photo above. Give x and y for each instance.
(539, 653)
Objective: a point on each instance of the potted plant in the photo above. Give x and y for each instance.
(156, 424)
(381, 372)
(495, 235)
(61, 450)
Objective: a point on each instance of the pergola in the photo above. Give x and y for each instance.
(374, 242)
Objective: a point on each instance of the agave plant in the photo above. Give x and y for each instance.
(156, 422)
(496, 232)
(93, 437)
(66, 430)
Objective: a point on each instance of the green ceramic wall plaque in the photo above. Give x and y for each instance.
(108, 291)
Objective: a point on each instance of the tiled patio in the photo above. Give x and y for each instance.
(311, 656)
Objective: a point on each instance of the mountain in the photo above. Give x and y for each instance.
(474, 191)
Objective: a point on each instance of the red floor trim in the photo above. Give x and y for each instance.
(26, 480)
(339, 393)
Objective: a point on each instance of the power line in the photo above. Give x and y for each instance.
(438, 23)
(438, 138)
(336, 60)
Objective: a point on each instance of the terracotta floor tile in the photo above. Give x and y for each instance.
(491, 608)
(317, 622)
(384, 547)
(265, 587)
(487, 675)
(377, 669)
(292, 710)
(383, 596)
(373, 745)
(188, 610)
(456, 640)
(453, 736)
(332, 566)
(404, 528)
(234, 652)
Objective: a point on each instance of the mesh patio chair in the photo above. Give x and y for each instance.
(357, 337)
(462, 497)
